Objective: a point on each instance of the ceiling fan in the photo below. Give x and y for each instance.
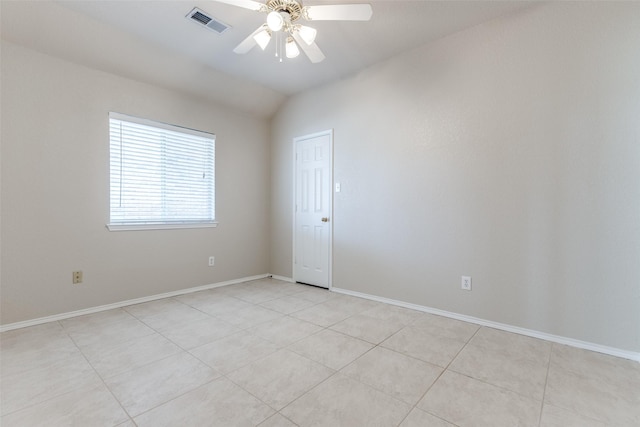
(282, 20)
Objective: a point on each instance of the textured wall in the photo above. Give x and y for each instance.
(509, 152)
(55, 192)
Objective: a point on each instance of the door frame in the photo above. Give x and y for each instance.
(296, 140)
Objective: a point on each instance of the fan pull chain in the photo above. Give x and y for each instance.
(279, 45)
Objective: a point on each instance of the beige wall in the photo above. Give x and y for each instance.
(55, 192)
(509, 152)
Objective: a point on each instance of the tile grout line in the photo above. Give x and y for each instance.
(99, 376)
(379, 345)
(467, 344)
(178, 396)
(181, 350)
(324, 328)
(278, 411)
(546, 381)
(442, 373)
(31, 405)
(222, 375)
(279, 347)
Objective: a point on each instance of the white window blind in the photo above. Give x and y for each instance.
(161, 175)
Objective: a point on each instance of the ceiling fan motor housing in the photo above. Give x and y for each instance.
(292, 7)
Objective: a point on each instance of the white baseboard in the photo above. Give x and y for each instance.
(509, 328)
(91, 310)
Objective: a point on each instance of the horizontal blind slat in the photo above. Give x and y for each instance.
(160, 175)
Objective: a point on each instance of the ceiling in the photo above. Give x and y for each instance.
(152, 41)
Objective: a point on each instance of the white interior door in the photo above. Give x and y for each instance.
(312, 218)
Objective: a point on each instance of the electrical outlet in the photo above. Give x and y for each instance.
(212, 261)
(466, 283)
(77, 277)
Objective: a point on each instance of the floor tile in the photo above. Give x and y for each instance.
(600, 367)
(32, 337)
(231, 290)
(352, 305)
(419, 418)
(94, 406)
(125, 356)
(219, 403)
(465, 401)
(322, 314)
(553, 416)
(26, 388)
(191, 334)
(35, 353)
(233, 352)
(165, 363)
(200, 298)
(221, 305)
(158, 382)
(616, 404)
(280, 378)
(393, 313)
(343, 401)
(172, 315)
(259, 296)
(154, 308)
(90, 322)
(277, 420)
(249, 317)
(367, 328)
(395, 374)
(444, 326)
(284, 330)
(513, 345)
(288, 304)
(522, 375)
(437, 349)
(110, 333)
(331, 348)
(316, 295)
(287, 288)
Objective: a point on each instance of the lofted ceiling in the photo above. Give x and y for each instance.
(152, 41)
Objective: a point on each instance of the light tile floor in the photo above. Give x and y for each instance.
(270, 353)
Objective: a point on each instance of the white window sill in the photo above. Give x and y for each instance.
(139, 227)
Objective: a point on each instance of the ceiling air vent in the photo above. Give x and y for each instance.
(199, 16)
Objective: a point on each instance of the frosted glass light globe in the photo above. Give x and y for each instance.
(275, 21)
(291, 48)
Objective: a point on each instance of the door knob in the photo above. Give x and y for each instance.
(325, 219)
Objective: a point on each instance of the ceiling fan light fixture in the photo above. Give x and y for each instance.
(262, 38)
(291, 48)
(275, 21)
(291, 37)
(307, 34)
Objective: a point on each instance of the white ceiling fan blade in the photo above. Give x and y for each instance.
(247, 44)
(312, 50)
(247, 4)
(340, 12)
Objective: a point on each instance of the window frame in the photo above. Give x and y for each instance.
(158, 225)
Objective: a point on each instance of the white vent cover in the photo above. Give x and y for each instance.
(199, 16)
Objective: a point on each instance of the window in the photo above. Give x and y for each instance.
(162, 176)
